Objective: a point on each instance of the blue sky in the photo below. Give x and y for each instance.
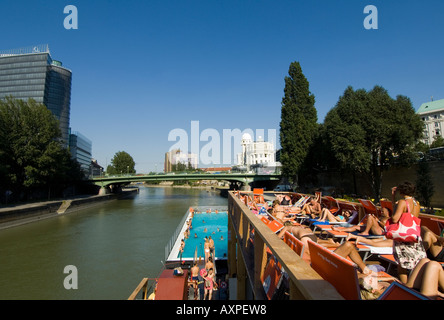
(142, 68)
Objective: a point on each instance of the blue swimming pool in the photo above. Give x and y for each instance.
(205, 225)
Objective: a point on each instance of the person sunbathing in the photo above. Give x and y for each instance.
(326, 215)
(304, 233)
(374, 226)
(380, 242)
(346, 249)
(428, 278)
(433, 244)
(312, 208)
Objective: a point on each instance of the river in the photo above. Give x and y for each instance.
(112, 246)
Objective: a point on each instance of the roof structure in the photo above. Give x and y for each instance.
(431, 106)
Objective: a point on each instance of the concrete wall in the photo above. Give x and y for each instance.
(394, 176)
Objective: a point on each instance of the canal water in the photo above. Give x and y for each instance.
(113, 246)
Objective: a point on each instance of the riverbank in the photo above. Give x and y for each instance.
(13, 216)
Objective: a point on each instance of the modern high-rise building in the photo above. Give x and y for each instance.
(81, 150)
(32, 73)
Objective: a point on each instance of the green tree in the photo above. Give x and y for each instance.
(368, 131)
(31, 152)
(424, 184)
(438, 141)
(121, 163)
(298, 122)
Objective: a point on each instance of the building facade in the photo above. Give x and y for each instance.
(432, 113)
(255, 152)
(176, 156)
(80, 148)
(32, 73)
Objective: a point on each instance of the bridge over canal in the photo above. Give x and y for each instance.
(243, 180)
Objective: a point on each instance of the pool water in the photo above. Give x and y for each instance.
(205, 225)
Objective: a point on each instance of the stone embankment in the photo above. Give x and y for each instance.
(12, 216)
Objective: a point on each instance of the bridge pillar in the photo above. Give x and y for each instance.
(103, 191)
(246, 187)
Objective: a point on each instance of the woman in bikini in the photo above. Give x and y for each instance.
(408, 255)
(304, 233)
(209, 283)
(326, 215)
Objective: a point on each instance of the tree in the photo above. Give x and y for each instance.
(121, 163)
(438, 141)
(32, 155)
(368, 131)
(424, 184)
(298, 122)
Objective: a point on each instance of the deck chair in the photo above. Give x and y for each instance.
(333, 204)
(434, 224)
(273, 224)
(398, 291)
(387, 204)
(294, 243)
(271, 278)
(301, 202)
(369, 207)
(326, 225)
(340, 272)
(258, 195)
(258, 191)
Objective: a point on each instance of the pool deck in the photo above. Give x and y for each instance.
(174, 253)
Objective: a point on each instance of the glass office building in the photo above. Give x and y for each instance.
(32, 73)
(81, 150)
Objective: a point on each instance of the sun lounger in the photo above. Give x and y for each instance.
(272, 223)
(387, 204)
(340, 272)
(398, 291)
(369, 207)
(295, 244)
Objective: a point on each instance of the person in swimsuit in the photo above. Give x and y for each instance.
(304, 233)
(209, 284)
(195, 277)
(312, 208)
(433, 244)
(206, 249)
(374, 225)
(326, 215)
(407, 254)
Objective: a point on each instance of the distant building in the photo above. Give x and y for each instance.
(217, 170)
(255, 152)
(174, 157)
(96, 168)
(81, 151)
(32, 73)
(432, 113)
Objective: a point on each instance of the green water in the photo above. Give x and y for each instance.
(113, 246)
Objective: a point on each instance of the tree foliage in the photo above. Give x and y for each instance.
(298, 122)
(368, 131)
(31, 153)
(121, 163)
(438, 142)
(424, 184)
